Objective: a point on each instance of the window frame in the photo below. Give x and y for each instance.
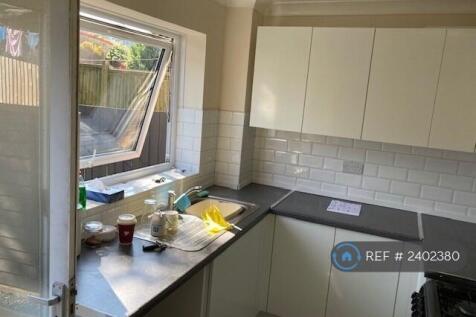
(173, 41)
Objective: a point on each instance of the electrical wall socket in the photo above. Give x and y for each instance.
(353, 167)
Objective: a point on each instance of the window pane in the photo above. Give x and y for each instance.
(118, 73)
(154, 151)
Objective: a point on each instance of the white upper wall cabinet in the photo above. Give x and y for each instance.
(280, 75)
(454, 120)
(402, 86)
(337, 85)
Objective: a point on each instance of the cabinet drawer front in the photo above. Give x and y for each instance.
(402, 86)
(280, 75)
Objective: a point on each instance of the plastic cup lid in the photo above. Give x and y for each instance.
(127, 219)
(93, 226)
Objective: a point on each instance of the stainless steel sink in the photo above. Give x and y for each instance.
(248, 208)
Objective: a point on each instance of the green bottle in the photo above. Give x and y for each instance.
(82, 192)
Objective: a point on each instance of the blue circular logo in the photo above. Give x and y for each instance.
(346, 256)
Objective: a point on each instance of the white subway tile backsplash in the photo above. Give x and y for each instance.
(223, 143)
(428, 152)
(409, 161)
(423, 177)
(324, 176)
(368, 145)
(374, 183)
(441, 166)
(452, 208)
(467, 169)
(360, 193)
(297, 171)
(348, 179)
(392, 172)
(238, 118)
(456, 182)
(420, 205)
(370, 169)
(460, 156)
(333, 164)
(276, 144)
(351, 154)
(381, 158)
(396, 148)
(275, 168)
(313, 138)
(263, 155)
(405, 189)
(465, 198)
(324, 150)
(225, 117)
(418, 179)
(332, 189)
(285, 157)
(236, 144)
(308, 186)
(284, 181)
(312, 161)
(339, 141)
(299, 147)
(436, 193)
(288, 135)
(389, 198)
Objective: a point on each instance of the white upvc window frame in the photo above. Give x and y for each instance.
(106, 17)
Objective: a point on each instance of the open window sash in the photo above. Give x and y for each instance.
(118, 90)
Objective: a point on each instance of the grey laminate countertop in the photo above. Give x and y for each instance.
(125, 281)
(121, 281)
(376, 220)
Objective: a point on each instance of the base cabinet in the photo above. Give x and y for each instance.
(239, 277)
(300, 268)
(282, 267)
(361, 294)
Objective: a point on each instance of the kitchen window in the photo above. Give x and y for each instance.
(125, 88)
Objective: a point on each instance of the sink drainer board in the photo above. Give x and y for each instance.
(191, 236)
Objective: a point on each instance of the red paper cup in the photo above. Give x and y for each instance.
(125, 225)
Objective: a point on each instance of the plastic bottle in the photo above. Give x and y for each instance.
(82, 192)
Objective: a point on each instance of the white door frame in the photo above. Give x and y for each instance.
(62, 118)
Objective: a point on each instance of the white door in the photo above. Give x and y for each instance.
(361, 294)
(37, 154)
(453, 125)
(300, 268)
(402, 86)
(337, 85)
(280, 75)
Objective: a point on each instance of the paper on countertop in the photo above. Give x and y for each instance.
(343, 207)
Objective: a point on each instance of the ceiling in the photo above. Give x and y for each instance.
(355, 7)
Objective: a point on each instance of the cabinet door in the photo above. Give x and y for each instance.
(240, 276)
(402, 85)
(337, 85)
(361, 294)
(454, 120)
(279, 84)
(300, 268)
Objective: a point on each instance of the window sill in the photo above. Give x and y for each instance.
(139, 186)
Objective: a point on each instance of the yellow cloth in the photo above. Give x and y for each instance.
(214, 220)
